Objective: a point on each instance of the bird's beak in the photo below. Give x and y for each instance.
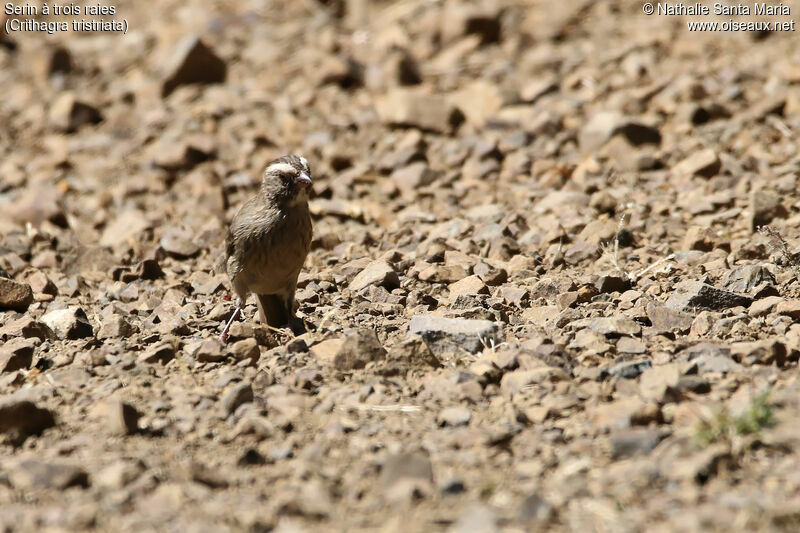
(304, 180)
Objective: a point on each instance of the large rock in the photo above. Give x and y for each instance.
(192, 62)
(70, 323)
(15, 295)
(443, 335)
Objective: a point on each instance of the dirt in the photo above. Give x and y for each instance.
(553, 281)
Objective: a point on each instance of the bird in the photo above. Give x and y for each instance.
(268, 241)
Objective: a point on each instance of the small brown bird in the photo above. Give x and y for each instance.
(268, 241)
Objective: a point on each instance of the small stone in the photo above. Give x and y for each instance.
(251, 457)
(454, 416)
(704, 163)
(444, 335)
(20, 419)
(477, 519)
(609, 326)
(490, 275)
(630, 369)
(409, 354)
(26, 327)
(482, 19)
(452, 486)
(765, 306)
(70, 323)
(698, 295)
(206, 475)
(192, 62)
(717, 364)
(443, 274)
(246, 349)
(598, 130)
(378, 273)
(116, 327)
(622, 414)
(308, 378)
(666, 320)
(68, 113)
(515, 295)
(660, 383)
(790, 308)
(703, 465)
(762, 352)
(41, 284)
(121, 418)
(56, 60)
(415, 465)
(534, 508)
(237, 395)
(32, 474)
(183, 154)
(337, 70)
(178, 243)
(699, 238)
(607, 124)
(15, 295)
(630, 345)
(208, 351)
(749, 279)
(612, 283)
(118, 474)
(359, 347)
(469, 285)
(634, 442)
(410, 178)
(765, 206)
(16, 354)
(702, 323)
(479, 100)
(589, 341)
(326, 351)
(418, 109)
(514, 382)
(160, 353)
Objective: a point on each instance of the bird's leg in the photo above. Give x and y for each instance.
(223, 337)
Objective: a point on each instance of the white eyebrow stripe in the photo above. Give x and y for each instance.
(281, 167)
(304, 161)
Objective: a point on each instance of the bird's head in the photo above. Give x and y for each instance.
(287, 179)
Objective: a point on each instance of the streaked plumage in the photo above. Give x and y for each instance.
(268, 241)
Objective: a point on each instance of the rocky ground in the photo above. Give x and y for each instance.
(553, 283)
